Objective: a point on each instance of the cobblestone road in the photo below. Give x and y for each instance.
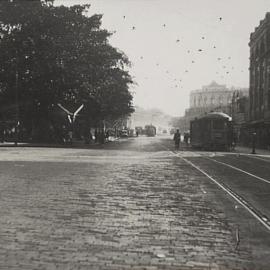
(131, 205)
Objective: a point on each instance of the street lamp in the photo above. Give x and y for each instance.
(16, 101)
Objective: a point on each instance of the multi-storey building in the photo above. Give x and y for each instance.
(212, 97)
(240, 111)
(259, 92)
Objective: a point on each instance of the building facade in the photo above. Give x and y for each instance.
(240, 113)
(212, 97)
(259, 91)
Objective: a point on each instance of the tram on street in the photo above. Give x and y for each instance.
(212, 132)
(150, 130)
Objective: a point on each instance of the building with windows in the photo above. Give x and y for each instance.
(212, 97)
(240, 112)
(259, 91)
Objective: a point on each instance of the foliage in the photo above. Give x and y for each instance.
(59, 55)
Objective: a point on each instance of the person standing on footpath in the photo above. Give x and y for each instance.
(177, 138)
(186, 137)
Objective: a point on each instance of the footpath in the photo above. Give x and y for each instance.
(248, 150)
(81, 144)
(75, 144)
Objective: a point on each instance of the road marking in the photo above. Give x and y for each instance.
(255, 213)
(240, 170)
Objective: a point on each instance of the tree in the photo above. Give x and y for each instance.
(51, 55)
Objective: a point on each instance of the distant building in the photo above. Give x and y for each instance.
(142, 117)
(212, 97)
(259, 92)
(240, 110)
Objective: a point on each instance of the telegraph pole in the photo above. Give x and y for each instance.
(253, 142)
(16, 101)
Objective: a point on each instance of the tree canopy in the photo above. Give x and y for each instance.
(56, 54)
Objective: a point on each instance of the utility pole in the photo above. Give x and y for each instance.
(253, 142)
(16, 101)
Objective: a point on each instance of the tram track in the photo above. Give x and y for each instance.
(256, 213)
(258, 157)
(240, 170)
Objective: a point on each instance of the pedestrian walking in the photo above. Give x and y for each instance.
(177, 138)
(186, 137)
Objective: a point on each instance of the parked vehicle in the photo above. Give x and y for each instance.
(123, 133)
(211, 132)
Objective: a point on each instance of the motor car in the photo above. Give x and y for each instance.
(124, 133)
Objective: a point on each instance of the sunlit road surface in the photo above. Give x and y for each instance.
(133, 204)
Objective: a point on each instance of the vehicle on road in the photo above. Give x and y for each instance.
(124, 133)
(139, 130)
(211, 132)
(150, 130)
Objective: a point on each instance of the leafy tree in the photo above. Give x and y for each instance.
(51, 55)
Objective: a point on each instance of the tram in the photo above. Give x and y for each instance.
(211, 132)
(150, 130)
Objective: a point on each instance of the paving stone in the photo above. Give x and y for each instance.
(115, 210)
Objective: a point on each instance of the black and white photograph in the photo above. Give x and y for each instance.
(134, 134)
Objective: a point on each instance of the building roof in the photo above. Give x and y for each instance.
(217, 115)
(259, 29)
(214, 86)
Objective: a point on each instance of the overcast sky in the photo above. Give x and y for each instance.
(179, 45)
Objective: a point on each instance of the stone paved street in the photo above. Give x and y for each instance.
(130, 205)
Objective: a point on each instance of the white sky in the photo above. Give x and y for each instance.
(162, 80)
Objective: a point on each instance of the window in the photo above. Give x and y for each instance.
(220, 101)
(262, 48)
